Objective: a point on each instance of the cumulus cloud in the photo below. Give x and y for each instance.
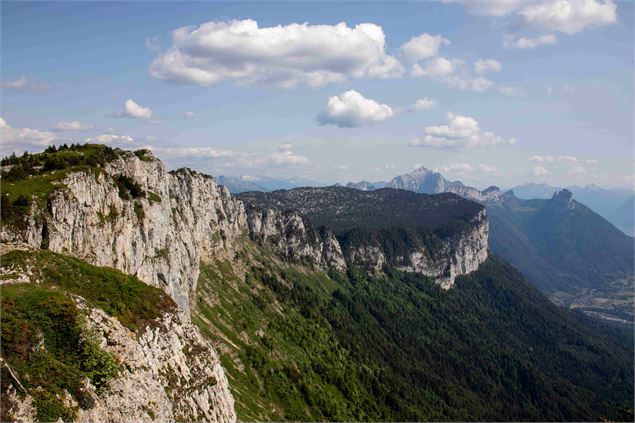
(483, 66)
(570, 16)
(188, 115)
(23, 139)
(285, 156)
(540, 171)
(351, 109)
(72, 126)
(523, 43)
(111, 139)
(422, 47)
(453, 72)
(232, 159)
(512, 91)
(242, 51)
(460, 132)
(132, 109)
(424, 103)
(27, 85)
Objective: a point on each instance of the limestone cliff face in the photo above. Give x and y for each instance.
(295, 237)
(158, 237)
(170, 373)
(454, 256)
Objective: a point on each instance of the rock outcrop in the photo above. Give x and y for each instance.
(170, 373)
(289, 221)
(158, 237)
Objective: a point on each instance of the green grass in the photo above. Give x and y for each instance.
(298, 344)
(132, 302)
(281, 364)
(153, 197)
(46, 344)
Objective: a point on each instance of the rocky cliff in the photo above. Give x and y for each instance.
(162, 368)
(333, 227)
(136, 217)
(159, 236)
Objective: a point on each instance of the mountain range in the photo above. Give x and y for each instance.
(564, 248)
(157, 295)
(615, 205)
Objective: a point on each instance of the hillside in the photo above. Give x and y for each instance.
(615, 205)
(85, 343)
(310, 346)
(566, 250)
(318, 304)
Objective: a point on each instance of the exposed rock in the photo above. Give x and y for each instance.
(169, 372)
(159, 237)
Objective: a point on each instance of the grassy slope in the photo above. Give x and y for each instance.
(44, 337)
(307, 346)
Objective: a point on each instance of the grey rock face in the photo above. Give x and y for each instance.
(169, 371)
(159, 238)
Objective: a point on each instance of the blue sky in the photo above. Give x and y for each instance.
(531, 91)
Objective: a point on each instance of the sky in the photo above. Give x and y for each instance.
(500, 92)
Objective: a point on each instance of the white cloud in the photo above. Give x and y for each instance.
(523, 43)
(483, 66)
(493, 8)
(72, 126)
(350, 110)
(512, 91)
(286, 156)
(553, 159)
(487, 168)
(570, 16)
(540, 171)
(232, 159)
(25, 84)
(188, 115)
(421, 47)
(200, 152)
(549, 91)
(111, 139)
(465, 168)
(23, 139)
(132, 109)
(289, 55)
(453, 72)
(460, 132)
(438, 67)
(424, 103)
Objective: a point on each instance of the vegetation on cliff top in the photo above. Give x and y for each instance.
(132, 302)
(44, 338)
(47, 347)
(34, 177)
